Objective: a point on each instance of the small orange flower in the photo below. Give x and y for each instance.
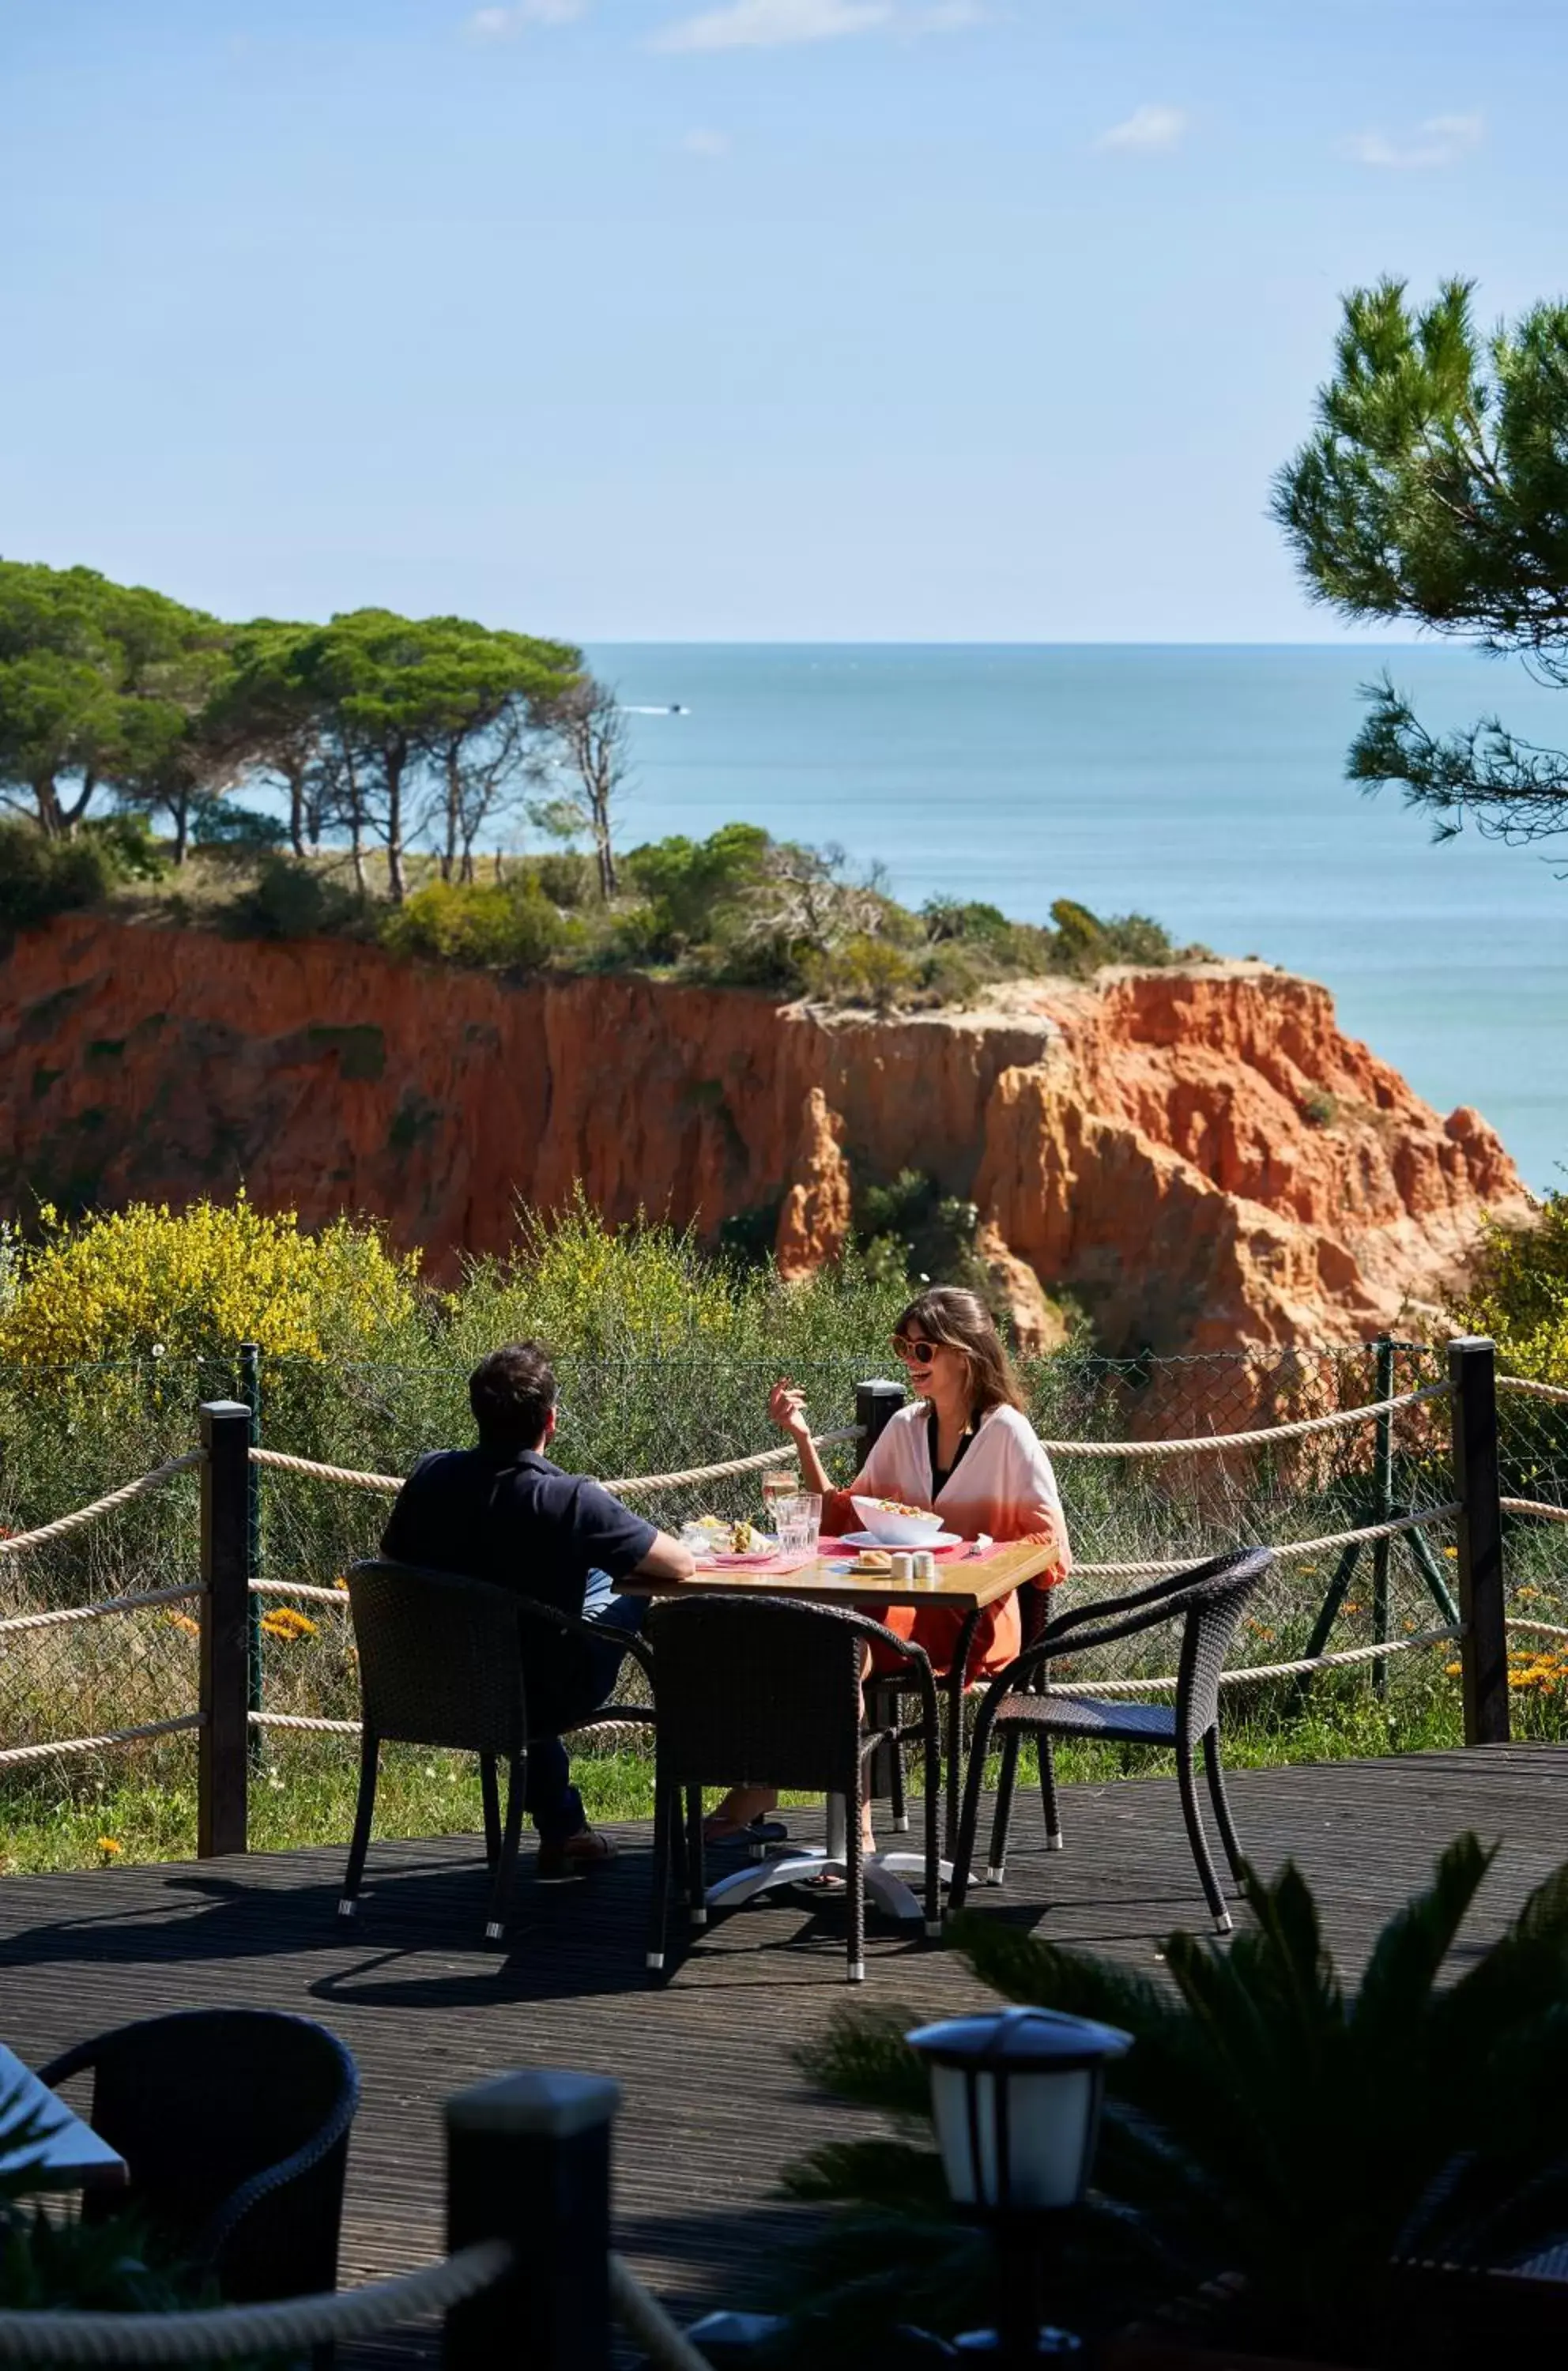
(183, 1622)
(110, 1847)
(285, 1621)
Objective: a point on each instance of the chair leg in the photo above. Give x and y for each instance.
(666, 1803)
(954, 1688)
(1221, 1801)
(997, 1868)
(491, 1797)
(506, 1868)
(1049, 1799)
(364, 1811)
(961, 1852)
(855, 1876)
(886, 1716)
(1186, 1780)
(696, 1876)
(932, 1743)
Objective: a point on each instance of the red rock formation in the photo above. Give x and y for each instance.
(1200, 1156)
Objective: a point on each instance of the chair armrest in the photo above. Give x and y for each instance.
(70, 2062)
(577, 1626)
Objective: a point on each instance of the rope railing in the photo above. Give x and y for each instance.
(1157, 1569)
(229, 2332)
(1216, 1442)
(19, 1542)
(1534, 1390)
(592, 1733)
(224, 2334)
(12, 1756)
(135, 1601)
(1541, 1507)
(625, 1485)
(1243, 1671)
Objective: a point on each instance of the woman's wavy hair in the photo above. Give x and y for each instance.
(961, 1321)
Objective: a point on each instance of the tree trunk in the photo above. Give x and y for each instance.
(603, 851)
(296, 810)
(180, 807)
(395, 884)
(47, 800)
(454, 818)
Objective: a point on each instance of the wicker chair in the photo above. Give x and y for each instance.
(759, 1690)
(442, 1662)
(1209, 1602)
(235, 2126)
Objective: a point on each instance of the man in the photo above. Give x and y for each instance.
(504, 1513)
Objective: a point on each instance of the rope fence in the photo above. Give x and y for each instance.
(16, 1755)
(1261, 1436)
(1235, 1676)
(228, 2333)
(19, 1543)
(140, 1682)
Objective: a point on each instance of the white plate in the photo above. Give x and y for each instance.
(870, 1540)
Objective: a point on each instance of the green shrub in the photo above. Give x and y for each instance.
(235, 834)
(290, 900)
(566, 876)
(40, 877)
(687, 882)
(1518, 1295)
(1320, 1109)
(862, 970)
(493, 925)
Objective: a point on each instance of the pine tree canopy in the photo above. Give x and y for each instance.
(1434, 489)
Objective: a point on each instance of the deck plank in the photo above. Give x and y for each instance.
(713, 2107)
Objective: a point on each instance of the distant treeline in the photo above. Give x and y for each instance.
(381, 731)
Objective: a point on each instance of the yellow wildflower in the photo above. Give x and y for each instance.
(178, 1621)
(285, 1621)
(110, 1846)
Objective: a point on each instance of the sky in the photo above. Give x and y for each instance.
(773, 319)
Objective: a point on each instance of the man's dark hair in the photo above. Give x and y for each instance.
(511, 1394)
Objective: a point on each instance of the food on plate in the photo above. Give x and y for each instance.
(873, 1560)
(895, 1507)
(745, 1539)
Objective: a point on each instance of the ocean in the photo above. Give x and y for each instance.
(1202, 785)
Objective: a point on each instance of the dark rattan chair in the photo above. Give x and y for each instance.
(1208, 1602)
(441, 1661)
(767, 1690)
(235, 2126)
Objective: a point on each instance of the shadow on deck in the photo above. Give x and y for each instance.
(713, 2108)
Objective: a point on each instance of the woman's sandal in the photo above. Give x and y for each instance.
(716, 1831)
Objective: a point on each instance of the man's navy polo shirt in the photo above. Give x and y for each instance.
(518, 1521)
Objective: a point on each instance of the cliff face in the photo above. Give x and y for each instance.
(1200, 1156)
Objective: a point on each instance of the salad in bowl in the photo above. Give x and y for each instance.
(895, 1524)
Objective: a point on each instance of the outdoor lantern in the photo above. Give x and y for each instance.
(1015, 2097)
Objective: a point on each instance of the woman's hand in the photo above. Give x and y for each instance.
(787, 1406)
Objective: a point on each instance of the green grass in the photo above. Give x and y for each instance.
(302, 1791)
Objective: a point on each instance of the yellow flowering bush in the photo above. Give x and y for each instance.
(1519, 1294)
(125, 1284)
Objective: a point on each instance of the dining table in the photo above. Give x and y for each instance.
(967, 1578)
(66, 2154)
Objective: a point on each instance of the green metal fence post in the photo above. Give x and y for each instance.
(250, 1393)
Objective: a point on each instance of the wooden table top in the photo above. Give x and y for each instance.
(68, 2154)
(964, 1581)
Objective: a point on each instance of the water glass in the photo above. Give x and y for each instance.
(800, 1520)
(778, 1482)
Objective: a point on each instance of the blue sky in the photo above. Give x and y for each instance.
(814, 319)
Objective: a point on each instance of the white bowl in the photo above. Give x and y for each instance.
(895, 1531)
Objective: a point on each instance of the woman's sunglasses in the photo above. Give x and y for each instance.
(915, 1354)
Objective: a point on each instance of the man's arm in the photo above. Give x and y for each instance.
(665, 1560)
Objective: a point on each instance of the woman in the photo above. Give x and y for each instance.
(964, 1448)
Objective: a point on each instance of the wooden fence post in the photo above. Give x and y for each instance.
(528, 2161)
(250, 1393)
(226, 1628)
(1484, 1648)
(876, 1405)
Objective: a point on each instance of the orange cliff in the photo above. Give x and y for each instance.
(1198, 1155)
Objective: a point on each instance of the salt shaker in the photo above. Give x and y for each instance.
(902, 1569)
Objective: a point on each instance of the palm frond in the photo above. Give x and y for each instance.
(1408, 1956)
(863, 2057)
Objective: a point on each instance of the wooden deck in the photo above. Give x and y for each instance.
(713, 2107)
